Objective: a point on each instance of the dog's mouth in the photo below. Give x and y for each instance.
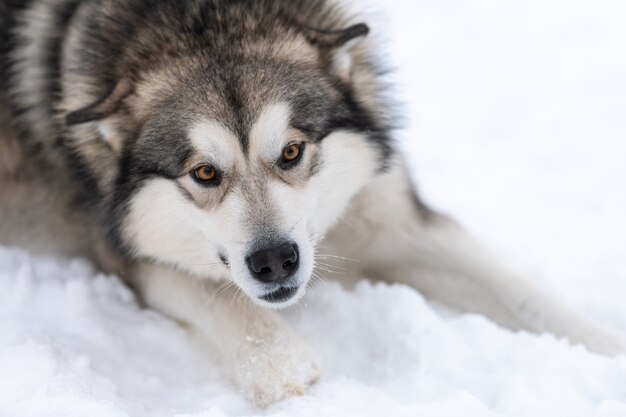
(280, 295)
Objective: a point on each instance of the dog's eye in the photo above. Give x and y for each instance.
(291, 152)
(206, 175)
(291, 155)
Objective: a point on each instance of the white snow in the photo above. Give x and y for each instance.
(516, 125)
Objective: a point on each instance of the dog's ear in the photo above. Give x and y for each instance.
(101, 108)
(340, 45)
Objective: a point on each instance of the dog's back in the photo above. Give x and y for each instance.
(37, 202)
(10, 151)
(37, 197)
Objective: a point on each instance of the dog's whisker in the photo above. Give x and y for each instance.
(343, 258)
(234, 298)
(224, 287)
(317, 277)
(213, 295)
(296, 223)
(333, 272)
(316, 237)
(330, 261)
(333, 263)
(330, 268)
(347, 221)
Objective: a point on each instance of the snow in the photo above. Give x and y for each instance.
(515, 125)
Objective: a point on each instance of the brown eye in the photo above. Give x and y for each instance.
(291, 153)
(205, 174)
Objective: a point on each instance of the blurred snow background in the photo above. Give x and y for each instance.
(515, 115)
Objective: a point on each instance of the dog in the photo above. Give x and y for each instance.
(205, 149)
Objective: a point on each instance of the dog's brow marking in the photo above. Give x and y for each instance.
(268, 134)
(212, 140)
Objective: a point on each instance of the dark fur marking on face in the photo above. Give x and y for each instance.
(318, 118)
(234, 99)
(159, 149)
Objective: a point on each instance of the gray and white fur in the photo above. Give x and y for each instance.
(205, 148)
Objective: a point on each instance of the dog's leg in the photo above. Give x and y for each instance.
(263, 356)
(399, 239)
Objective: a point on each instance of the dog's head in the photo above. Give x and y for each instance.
(234, 160)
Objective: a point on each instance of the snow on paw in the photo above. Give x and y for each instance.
(272, 370)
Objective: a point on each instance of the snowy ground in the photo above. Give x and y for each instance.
(516, 126)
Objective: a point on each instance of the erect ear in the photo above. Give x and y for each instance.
(336, 38)
(340, 44)
(101, 108)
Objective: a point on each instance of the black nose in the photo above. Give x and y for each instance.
(274, 264)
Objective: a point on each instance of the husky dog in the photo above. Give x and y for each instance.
(202, 148)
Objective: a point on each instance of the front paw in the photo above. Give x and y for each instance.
(272, 369)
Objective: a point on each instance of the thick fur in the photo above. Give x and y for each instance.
(108, 107)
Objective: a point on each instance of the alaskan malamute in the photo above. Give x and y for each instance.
(202, 148)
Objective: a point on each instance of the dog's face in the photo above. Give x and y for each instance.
(246, 190)
(238, 168)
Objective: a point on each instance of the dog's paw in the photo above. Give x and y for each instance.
(607, 343)
(272, 370)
